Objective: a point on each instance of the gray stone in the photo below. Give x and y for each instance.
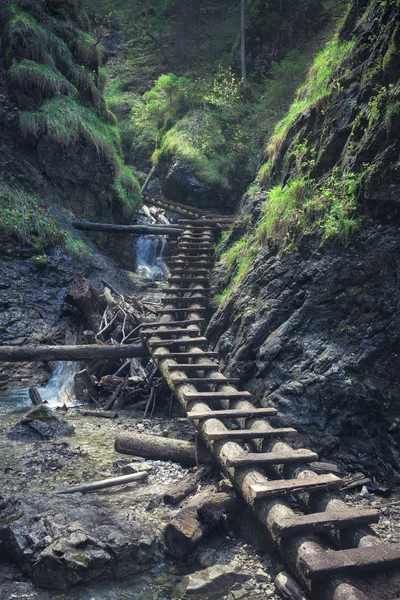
(63, 541)
(210, 583)
(40, 423)
(207, 557)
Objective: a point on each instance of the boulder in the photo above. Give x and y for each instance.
(62, 541)
(213, 582)
(39, 423)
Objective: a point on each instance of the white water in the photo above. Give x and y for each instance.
(151, 251)
(58, 391)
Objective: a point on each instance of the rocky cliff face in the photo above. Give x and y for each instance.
(309, 316)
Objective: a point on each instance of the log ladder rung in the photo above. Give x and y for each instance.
(198, 341)
(173, 280)
(189, 368)
(169, 332)
(206, 381)
(171, 323)
(184, 301)
(203, 354)
(273, 458)
(381, 557)
(232, 414)
(180, 310)
(185, 290)
(325, 521)
(250, 434)
(216, 395)
(317, 483)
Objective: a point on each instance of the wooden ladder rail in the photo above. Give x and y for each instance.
(267, 510)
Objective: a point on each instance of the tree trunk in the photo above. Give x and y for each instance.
(195, 521)
(151, 446)
(35, 396)
(189, 484)
(180, 30)
(135, 229)
(86, 298)
(67, 353)
(243, 41)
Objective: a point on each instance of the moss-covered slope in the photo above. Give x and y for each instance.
(58, 137)
(308, 280)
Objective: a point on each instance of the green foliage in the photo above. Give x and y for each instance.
(221, 297)
(128, 189)
(25, 217)
(320, 82)
(198, 140)
(40, 80)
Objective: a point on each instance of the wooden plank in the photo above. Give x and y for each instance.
(173, 280)
(170, 332)
(325, 521)
(381, 557)
(185, 290)
(189, 368)
(206, 380)
(203, 354)
(198, 341)
(250, 434)
(292, 486)
(171, 323)
(184, 301)
(273, 458)
(185, 270)
(213, 221)
(231, 414)
(180, 310)
(216, 395)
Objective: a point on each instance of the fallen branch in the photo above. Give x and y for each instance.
(189, 484)
(105, 483)
(35, 396)
(94, 413)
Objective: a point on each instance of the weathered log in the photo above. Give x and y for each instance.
(105, 483)
(105, 414)
(152, 446)
(67, 353)
(288, 588)
(86, 298)
(35, 396)
(84, 377)
(195, 521)
(89, 336)
(189, 484)
(172, 230)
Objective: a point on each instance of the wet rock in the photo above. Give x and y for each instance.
(206, 557)
(40, 422)
(60, 542)
(210, 583)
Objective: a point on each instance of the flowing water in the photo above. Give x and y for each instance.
(151, 251)
(58, 392)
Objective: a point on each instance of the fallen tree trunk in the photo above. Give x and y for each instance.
(195, 521)
(189, 484)
(152, 446)
(105, 483)
(102, 414)
(173, 230)
(66, 353)
(86, 298)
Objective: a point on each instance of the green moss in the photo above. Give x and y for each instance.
(38, 79)
(221, 297)
(128, 189)
(80, 558)
(14, 518)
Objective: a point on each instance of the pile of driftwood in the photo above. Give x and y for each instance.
(114, 319)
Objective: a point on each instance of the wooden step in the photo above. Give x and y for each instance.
(185, 300)
(207, 380)
(169, 332)
(173, 280)
(191, 259)
(250, 434)
(366, 559)
(231, 414)
(273, 458)
(191, 250)
(185, 290)
(317, 483)
(216, 395)
(189, 270)
(199, 341)
(325, 521)
(204, 354)
(212, 221)
(199, 263)
(180, 310)
(172, 323)
(183, 367)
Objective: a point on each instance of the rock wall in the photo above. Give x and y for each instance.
(313, 328)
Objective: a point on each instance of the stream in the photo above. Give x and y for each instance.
(151, 251)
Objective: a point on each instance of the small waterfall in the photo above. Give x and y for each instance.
(58, 391)
(151, 251)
